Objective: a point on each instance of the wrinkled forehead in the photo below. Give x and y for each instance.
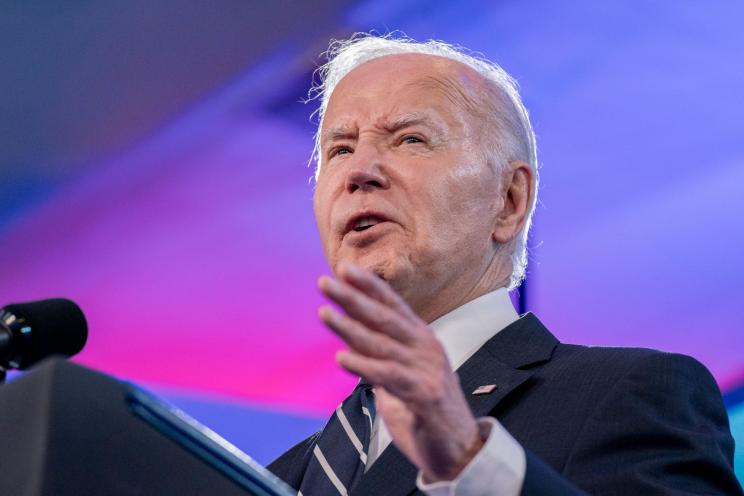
(454, 79)
(430, 80)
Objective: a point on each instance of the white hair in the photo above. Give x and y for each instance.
(513, 140)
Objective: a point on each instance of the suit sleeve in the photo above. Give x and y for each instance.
(662, 429)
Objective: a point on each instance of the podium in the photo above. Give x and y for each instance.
(67, 430)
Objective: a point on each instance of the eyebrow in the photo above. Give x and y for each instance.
(339, 134)
(409, 120)
(392, 126)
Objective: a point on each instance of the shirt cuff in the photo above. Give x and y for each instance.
(498, 468)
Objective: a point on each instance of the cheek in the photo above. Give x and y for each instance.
(322, 211)
(464, 190)
(473, 187)
(459, 207)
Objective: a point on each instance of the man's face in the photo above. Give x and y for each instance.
(404, 189)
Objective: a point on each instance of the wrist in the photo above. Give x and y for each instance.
(465, 454)
(498, 468)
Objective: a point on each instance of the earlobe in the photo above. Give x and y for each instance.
(516, 195)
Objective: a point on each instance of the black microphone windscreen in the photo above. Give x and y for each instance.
(58, 326)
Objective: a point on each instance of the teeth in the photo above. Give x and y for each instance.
(366, 222)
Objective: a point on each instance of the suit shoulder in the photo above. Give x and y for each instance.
(620, 361)
(656, 413)
(648, 376)
(605, 370)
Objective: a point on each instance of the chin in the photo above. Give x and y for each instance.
(379, 262)
(381, 267)
(392, 269)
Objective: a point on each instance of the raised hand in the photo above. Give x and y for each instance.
(417, 394)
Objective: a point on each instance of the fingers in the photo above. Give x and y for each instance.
(388, 344)
(362, 340)
(390, 375)
(418, 390)
(371, 313)
(372, 355)
(374, 287)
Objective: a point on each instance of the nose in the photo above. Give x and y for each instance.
(366, 176)
(365, 180)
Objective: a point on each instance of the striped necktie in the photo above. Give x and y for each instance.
(340, 454)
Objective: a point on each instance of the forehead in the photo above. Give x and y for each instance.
(404, 83)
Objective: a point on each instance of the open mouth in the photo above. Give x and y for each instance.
(365, 223)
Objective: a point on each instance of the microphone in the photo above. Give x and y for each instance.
(32, 331)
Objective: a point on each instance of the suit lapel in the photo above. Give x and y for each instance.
(505, 378)
(506, 361)
(500, 362)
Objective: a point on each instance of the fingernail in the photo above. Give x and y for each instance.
(324, 312)
(341, 356)
(325, 282)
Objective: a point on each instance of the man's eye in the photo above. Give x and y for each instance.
(410, 140)
(339, 150)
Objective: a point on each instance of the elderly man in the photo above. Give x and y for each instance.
(426, 182)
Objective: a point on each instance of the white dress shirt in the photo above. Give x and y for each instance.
(499, 467)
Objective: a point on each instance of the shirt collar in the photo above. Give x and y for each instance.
(466, 328)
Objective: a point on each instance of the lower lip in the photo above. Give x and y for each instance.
(368, 235)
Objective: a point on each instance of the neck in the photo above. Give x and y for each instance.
(441, 299)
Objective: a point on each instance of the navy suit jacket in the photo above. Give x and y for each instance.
(605, 421)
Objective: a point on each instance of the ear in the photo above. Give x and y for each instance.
(516, 193)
